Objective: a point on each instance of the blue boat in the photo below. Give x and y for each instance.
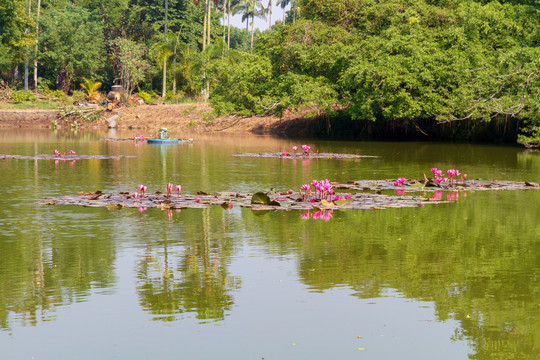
(162, 141)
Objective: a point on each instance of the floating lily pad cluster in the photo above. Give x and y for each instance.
(304, 156)
(63, 157)
(257, 201)
(430, 185)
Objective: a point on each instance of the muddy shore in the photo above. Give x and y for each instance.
(196, 117)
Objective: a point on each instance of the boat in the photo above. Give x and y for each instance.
(162, 141)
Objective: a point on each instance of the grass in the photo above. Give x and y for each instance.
(43, 105)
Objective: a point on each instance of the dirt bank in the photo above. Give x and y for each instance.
(27, 118)
(196, 117)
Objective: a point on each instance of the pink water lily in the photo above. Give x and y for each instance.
(197, 199)
(169, 189)
(135, 195)
(295, 148)
(178, 189)
(142, 189)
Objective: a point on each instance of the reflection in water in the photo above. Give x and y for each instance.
(475, 261)
(193, 278)
(325, 215)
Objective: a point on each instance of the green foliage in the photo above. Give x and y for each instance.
(131, 63)
(14, 22)
(73, 40)
(144, 95)
(91, 87)
(23, 96)
(243, 86)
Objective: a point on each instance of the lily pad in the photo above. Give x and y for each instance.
(261, 198)
(304, 156)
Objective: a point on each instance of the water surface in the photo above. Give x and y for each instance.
(451, 281)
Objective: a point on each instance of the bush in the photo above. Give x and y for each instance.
(22, 96)
(144, 95)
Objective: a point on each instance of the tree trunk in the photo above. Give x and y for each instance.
(204, 24)
(229, 24)
(174, 74)
(37, 49)
(26, 51)
(247, 32)
(209, 22)
(269, 14)
(252, 29)
(224, 12)
(164, 92)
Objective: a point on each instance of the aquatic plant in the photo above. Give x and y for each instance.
(305, 192)
(178, 189)
(400, 181)
(142, 189)
(169, 189)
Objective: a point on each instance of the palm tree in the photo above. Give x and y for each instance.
(283, 4)
(162, 50)
(269, 11)
(250, 8)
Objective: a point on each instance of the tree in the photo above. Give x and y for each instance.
(74, 43)
(283, 4)
(13, 38)
(250, 8)
(130, 61)
(269, 12)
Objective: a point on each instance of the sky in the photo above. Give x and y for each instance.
(261, 24)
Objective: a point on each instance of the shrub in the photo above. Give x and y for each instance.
(22, 96)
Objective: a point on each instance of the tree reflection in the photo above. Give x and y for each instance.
(193, 277)
(476, 271)
(39, 271)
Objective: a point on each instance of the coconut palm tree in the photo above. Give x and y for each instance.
(283, 4)
(162, 50)
(269, 12)
(250, 8)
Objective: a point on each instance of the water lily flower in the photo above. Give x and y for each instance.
(178, 188)
(72, 152)
(142, 189)
(348, 196)
(337, 197)
(197, 199)
(169, 189)
(284, 153)
(142, 208)
(295, 148)
(434, 170)
(135, 195)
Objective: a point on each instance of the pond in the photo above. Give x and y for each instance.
(455, 280)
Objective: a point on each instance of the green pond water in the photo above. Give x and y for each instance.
(450, 281)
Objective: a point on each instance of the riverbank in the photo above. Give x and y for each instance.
(200, 118)
(197, 117)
